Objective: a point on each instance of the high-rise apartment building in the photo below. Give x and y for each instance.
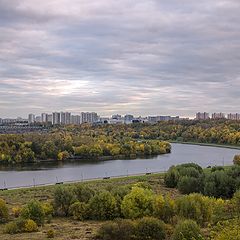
(56, 118)
(89, 117)
(76, 119)
(31, 118)
(202, 116)
(218, 115)
(233, 116)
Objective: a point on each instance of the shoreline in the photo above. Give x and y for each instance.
(207, 144)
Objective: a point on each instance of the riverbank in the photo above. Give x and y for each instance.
(207, 144)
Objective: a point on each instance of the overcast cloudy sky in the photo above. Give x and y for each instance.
(143, 57)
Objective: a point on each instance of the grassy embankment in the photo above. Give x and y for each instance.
(66, 228)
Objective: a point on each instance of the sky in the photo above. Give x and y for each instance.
(145, 57)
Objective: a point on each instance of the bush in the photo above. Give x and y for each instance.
(63, 199)
(4, 214)
(50, 233)
(16, 211)
(16, 226)
(112, 230)
(188, 185)
(102, 206)
(150, 228)
(138, 203)
(187, 230)
(83, 193)
(30, 226)
(236, 202)
(79, 211)
(219, 184)
(11, 228)
(164, 208)
(236, 160)
(171, 177)
(196, 207)
(34, 211)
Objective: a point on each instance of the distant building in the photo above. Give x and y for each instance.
(65, 118)
(31, 118)
(233, 116)
(218, 115)
(38, 119)
(128, 119)
(44, 117)
(49, 118)
(202, 116)
(155, 119)
(76, 119)
(117, 116)
(89, 117)
(56, 118)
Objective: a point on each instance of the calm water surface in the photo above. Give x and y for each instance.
(46, 173)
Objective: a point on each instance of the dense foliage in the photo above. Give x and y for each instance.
(132, 140)
(217, 182)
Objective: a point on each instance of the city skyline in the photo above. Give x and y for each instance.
(139, 57)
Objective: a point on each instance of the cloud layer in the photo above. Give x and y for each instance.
(128, 56)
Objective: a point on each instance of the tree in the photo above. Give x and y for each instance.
(138, 203)
(236, 160)
(164, 208)
(34, 211)
(102, 206)
(63, 198)
(171, 177)
(195, 207)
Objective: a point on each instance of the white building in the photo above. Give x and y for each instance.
(89, 117)
(31, 118)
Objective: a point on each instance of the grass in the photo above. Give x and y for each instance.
(66, 228)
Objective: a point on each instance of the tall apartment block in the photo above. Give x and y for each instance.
(218, 116)
(202, 116)
(89, 117)
(233, 116)
(31, 118)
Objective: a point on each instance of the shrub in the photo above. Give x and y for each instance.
(11, 228)
(83, 193)
(4, 214)
(102, 206)
(34, 211)
(16, 226)
(196, 207)
(236, 202)
(112, 230)
(150, 228)
(236, 160)
(164, 208)
(138, 203)
(219, 184)
(63, 198)
(30, 226)
(187, 230)
(79, 210)
(188, 185)
(50, 233)
(16, 211)
(171, 177)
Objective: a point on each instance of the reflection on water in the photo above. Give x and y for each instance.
(52, 172)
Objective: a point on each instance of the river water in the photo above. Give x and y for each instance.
(49, 173)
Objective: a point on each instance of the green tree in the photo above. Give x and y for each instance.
(138, 203)
(34, 211)
(103, 206)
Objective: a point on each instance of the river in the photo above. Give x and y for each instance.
(50, 173)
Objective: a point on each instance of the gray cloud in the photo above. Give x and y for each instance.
(144, 57)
